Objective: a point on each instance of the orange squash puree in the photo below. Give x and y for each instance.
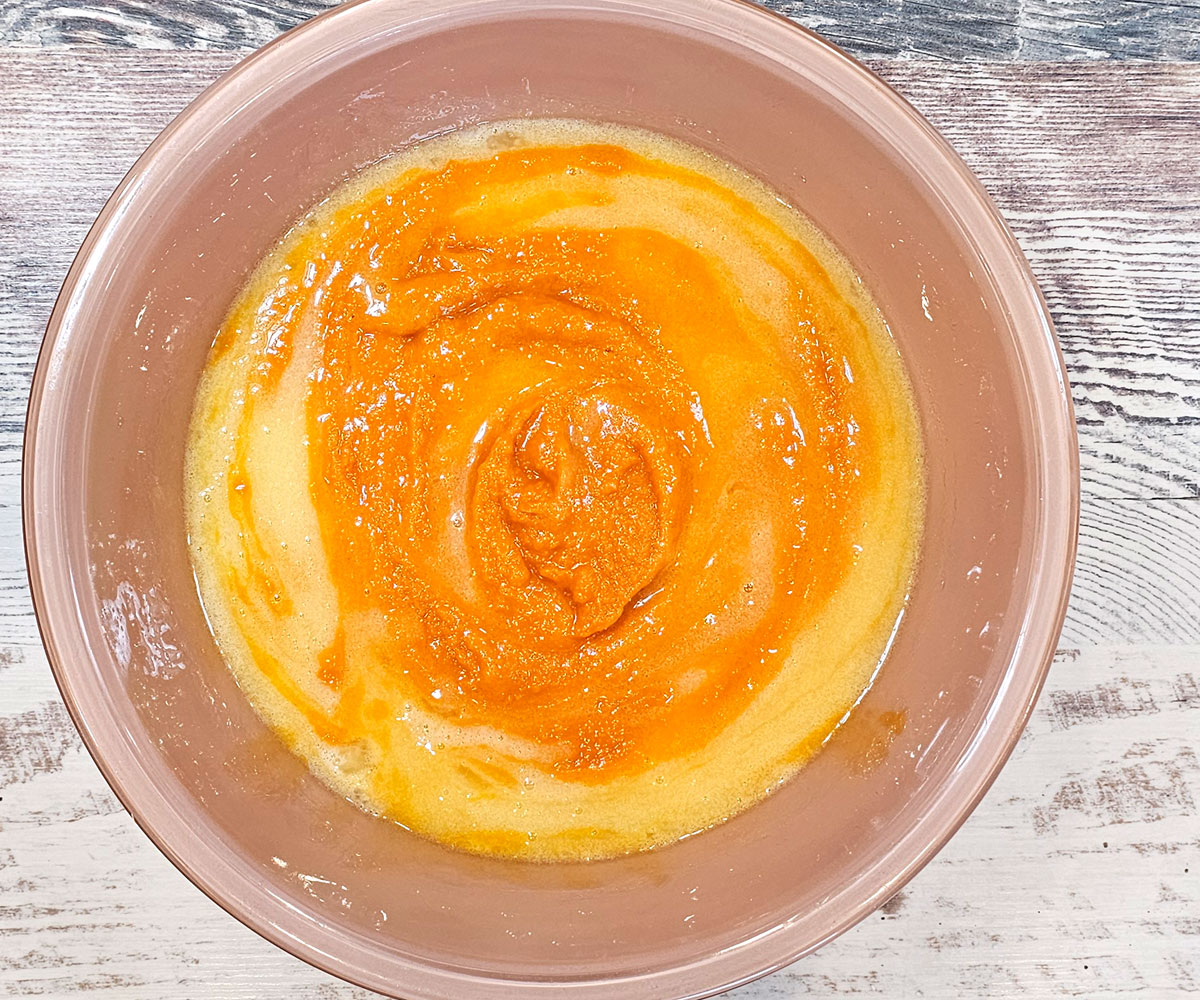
(553, 490)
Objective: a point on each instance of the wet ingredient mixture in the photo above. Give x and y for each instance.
(553, 489)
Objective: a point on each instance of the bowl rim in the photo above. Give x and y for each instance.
(784, 42)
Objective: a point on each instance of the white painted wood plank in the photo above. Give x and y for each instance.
(1078, 876)
(1094, 167)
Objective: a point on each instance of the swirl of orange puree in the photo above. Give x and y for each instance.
(589, 452)
(511, 452)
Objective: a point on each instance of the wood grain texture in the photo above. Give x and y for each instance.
(987, 30)
(1078, 876)
(1094, 169)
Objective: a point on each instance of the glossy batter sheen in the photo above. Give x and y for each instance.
(553, 490)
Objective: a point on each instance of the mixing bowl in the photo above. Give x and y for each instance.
(361, 897)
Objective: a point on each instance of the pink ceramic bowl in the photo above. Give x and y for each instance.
(359, 897)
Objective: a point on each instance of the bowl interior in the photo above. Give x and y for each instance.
(362, 897)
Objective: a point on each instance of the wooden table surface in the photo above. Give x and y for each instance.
(1079, 875)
